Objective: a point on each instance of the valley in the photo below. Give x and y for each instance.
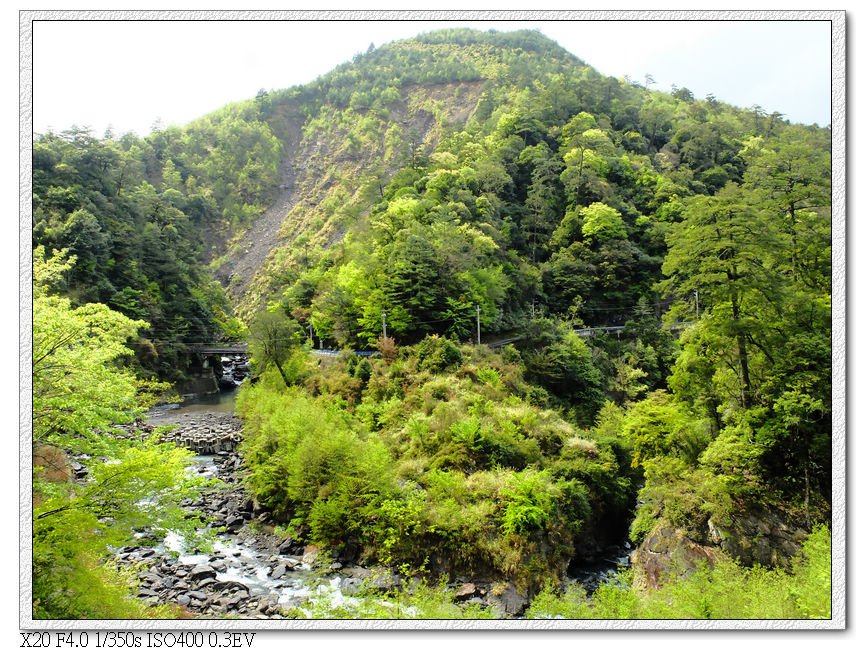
(514, 340)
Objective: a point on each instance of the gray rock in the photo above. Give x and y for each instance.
(230, 585)
(385, 581)
(512, 601)
(234, 523)
(358, 572)
(202, 571)
(289, 547)
(351, 586)
(466, 591)
(310, 554)
(234, 601)
(149, 577)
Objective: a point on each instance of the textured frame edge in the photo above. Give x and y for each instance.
(839, 199)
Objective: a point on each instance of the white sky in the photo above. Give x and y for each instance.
(129, 73)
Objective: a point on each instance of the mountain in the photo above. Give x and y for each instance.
(363, 122)
(651, 271)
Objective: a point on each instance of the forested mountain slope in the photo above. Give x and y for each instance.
(464, 184)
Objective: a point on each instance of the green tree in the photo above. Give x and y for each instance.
(413, 282)
(601, 222)
(725, 248)
(560, 360)
(80, 389)
(792, 177)
(273, 337)
(543, 200)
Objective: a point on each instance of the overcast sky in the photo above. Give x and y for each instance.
(128, 74)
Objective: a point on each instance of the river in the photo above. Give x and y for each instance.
(248, 571)
(245, 571)
(221, 402)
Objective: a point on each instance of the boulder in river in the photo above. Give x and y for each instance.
(291, 547)
(310, 554)
(234, 523)
(200, 596)
(230, 585)
(510, 600)
(201, 572)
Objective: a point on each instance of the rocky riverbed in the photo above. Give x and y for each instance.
(247, 571)
(204, 433)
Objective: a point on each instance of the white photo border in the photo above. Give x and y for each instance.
(839, 340)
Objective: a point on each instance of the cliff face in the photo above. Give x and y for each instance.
(759, 537)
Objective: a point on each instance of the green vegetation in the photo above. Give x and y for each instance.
(456, 181)
(137, 214)
(80, 389)
(440, 458)
(724, 591)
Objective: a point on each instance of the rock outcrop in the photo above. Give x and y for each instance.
(753, 537)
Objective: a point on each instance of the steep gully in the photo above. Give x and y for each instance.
(249, 254)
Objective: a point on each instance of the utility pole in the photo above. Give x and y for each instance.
(311, 340)
(697, 301)
(478, 310)
(384, 323)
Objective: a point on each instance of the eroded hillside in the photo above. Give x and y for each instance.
(334, 168)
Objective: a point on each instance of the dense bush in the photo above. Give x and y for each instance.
(456, 472)
(725, 591)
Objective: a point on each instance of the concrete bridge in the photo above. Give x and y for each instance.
(219, 348)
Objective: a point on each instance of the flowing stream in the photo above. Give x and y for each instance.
(247, 571)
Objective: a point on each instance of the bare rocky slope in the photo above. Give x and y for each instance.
(250, 252)
(318, 167)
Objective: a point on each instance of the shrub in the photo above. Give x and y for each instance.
(726, 591)
(387, 348)
(306, 460)
(531, 499)
(437, 354)
(660, 425)
(490, 377)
